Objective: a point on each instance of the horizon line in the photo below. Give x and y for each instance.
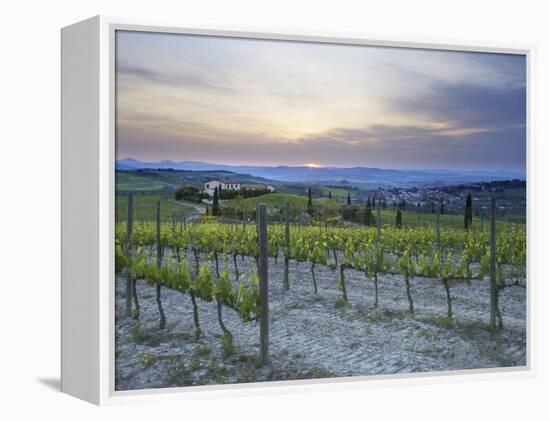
(319, 166)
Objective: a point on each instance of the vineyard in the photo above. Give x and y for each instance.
(256, 285)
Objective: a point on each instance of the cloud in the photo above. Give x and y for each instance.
(386, 146)
(467, 106)
(419, 147)
(170, 79)
(252, 101)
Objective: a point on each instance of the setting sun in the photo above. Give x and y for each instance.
(313, 165)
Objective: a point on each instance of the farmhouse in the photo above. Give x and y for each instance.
(228, 184)
(221, 183)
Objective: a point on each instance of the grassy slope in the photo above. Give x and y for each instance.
(137, 182)
(278, 201)
(413, 219)
(337, 193)
(145, 207)
(153, 180)
(511, 193)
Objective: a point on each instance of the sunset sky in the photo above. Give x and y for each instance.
(258, 102)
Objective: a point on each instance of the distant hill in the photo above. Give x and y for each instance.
(160, 179)
(356, 175)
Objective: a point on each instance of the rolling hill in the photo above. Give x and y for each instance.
(357, 175)
(158, 180)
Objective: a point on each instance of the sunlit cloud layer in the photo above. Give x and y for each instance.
(259, 102)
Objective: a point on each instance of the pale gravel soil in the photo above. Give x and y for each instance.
(312, 337)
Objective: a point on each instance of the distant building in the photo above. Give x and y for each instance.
(228, 184)
(250, 186)
(221, 183)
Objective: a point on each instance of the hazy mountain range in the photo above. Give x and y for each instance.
(332, 174)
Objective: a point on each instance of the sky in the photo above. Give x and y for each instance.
(261, 102)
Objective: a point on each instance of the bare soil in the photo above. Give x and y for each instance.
(318, 335)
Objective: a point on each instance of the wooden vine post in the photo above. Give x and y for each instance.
(378, 222)
(437, 228)
(286, 282)
(493, 266)
(129, 235)
(162, 324)
(343, 282)
(481, 217)
(325, 218)
(378, 237)
(261, 217)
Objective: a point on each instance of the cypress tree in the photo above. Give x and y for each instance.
(398, 219)
(371, 215)
(215, 203)
(368, 218)
(349, 199)
(309, 202)
(433, 207)
(468, 212)
(329, 194)
(441, 209)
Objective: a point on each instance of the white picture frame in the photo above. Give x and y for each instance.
(88, 163)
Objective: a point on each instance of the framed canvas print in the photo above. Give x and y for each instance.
(265, 209)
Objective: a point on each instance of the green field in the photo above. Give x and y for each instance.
(149, 185)
(145, 207)
(414, 219)
(277, 201)
(135, 182)
(337, 193)
(156, 180)
(511, 193)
